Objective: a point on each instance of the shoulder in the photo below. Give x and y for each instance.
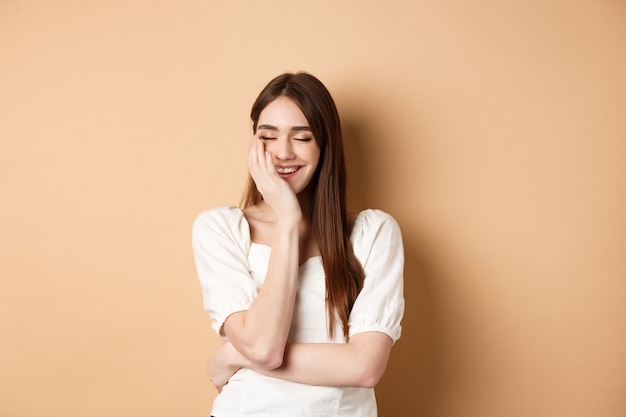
(219, 216)
(377, 241)
(227, 221)
(370, 220)
(374, 228)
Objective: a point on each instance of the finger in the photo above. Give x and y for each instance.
(266, 159)
(261, 154)
(267, 170)
(269, 162)
(257, 155)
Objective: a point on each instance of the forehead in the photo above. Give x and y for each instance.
(283, 112)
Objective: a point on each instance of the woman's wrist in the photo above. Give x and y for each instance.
(290, 218)
(232, 357)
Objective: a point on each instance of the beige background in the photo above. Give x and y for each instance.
(494, 131)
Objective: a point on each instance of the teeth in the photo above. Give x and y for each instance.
(286, 170)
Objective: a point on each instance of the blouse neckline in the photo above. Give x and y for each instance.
(357, 224)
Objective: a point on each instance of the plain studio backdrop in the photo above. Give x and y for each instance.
(493, 131)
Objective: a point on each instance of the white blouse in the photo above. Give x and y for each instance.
(232, 269)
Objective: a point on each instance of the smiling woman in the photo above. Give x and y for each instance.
(289, 141)
(307, 297)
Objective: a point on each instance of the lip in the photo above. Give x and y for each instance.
(288, 175)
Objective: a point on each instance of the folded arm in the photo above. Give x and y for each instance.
(260, 333)
(359, 363)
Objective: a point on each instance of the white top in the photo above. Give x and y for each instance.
(232, 269)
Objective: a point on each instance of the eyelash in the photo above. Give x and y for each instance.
(265, 138)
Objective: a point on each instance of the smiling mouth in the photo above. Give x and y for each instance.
(289, 170)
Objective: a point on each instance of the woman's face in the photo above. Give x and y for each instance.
(288, 138)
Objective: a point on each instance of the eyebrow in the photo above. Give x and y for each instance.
(293, 128)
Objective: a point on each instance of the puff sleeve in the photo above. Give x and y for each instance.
(377, 243)
(221, 241)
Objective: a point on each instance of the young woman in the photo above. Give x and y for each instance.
(307, 297)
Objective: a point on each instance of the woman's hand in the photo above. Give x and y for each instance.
(223, 364)
(259, 334)
(276, 192)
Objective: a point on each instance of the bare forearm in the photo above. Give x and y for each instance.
(355, 364)
(269, 316)
(261, 332)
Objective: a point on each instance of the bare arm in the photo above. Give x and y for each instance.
(362, 361)
(260, 333)
(359, 363)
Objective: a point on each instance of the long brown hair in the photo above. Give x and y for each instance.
(344, 273)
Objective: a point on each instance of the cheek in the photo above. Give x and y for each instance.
(315, 155)
(315, 159)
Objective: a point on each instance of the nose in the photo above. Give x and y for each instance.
(282, 149)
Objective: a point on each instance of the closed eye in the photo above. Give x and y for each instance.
(303, 139)
(266, 138)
